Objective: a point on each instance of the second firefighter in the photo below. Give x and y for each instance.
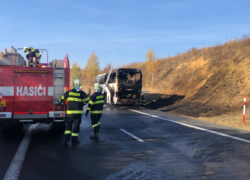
(95, 108)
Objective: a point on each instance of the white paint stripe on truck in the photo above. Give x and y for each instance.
(50, 91)
(7, 90)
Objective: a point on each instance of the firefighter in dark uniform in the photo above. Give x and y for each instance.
(95, 108)
(76, 100)
(143, 100)
(31, 52)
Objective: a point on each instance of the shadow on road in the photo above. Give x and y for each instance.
(155, 101)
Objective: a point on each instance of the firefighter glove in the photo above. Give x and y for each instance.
(87, 113)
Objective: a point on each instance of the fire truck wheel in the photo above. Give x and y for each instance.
(15, 128)
(6, 128)
(3, 131)
(18, 127)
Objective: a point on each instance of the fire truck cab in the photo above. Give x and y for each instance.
(31, 94)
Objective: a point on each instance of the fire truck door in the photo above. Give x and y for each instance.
(31, 94)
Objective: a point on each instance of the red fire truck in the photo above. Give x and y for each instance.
(30, 94)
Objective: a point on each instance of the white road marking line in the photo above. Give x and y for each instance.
(195, 127)
(16, 164)
(132, 135)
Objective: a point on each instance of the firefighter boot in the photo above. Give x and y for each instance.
(94, 136)
(67, 138)
(74, 140)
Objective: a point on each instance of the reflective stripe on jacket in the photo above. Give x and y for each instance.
(76, 101)
(143, 101)
(30, 50)
(96, 103)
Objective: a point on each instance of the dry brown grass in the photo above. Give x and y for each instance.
(232, 120)
(214, 81)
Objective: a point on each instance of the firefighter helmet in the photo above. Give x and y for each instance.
(76, 84)
(97, 86)
(25, 49)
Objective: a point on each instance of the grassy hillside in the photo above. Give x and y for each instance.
(210, 81)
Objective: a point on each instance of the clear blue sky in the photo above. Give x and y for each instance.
(121, 31)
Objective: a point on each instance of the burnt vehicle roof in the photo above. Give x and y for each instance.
(128, 70)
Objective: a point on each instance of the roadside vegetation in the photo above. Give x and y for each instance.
(207, 83)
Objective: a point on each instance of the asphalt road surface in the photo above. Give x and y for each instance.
(132, 145)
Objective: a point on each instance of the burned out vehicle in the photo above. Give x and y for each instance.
(122, 87)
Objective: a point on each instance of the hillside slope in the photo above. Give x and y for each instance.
(209, 81)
